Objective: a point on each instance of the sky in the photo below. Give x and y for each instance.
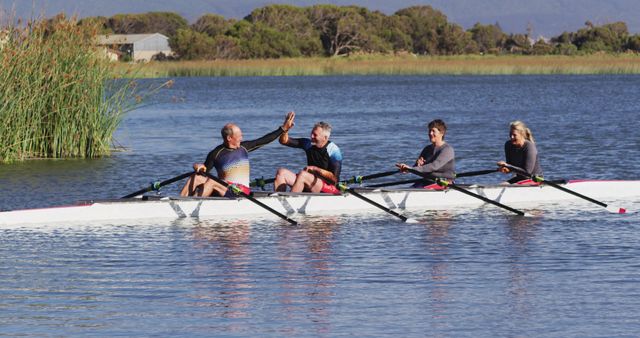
(545, 17)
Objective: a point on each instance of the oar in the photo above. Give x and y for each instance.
(465, 174)
(609, 208)
(476, 173)
(465, 191)
(360, 179)
(343, 188)
(261, 182)
(156, 185)
(386, 184)
(236, 190)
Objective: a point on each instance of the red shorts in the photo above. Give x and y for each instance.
(242, 187)
(528, 182)
(329, 189)
(434, 186)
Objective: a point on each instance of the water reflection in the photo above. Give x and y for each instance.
(437, 241)
(306, 262)
(222, 277)
(521, 233)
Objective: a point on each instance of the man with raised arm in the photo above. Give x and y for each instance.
(231, 161)
(324, 162)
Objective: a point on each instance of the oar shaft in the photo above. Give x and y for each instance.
(542, 180)
(467, 192)
(252, 199)
(574, 193)
(488, 200)
(359, 179)
(379, 185)
(156, 185)
(476, 173)
(374, 203)
(379, 175)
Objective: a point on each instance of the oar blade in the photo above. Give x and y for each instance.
(616, 210)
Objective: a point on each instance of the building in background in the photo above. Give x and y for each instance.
(135, 47)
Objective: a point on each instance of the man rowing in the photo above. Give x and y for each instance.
(324, 162)
(437, 158)
(231, 161)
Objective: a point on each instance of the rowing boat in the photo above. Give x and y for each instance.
(153, 206)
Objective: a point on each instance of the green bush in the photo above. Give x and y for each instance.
(58, 96)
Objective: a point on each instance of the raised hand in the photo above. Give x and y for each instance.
(289, 121)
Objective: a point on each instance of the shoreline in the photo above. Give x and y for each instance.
(598, 64)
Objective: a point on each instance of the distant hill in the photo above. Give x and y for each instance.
(546, 17)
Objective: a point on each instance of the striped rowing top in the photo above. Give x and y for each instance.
(232, 165)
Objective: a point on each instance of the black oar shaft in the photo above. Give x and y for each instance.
(574, 193)
(359, 179)
(465, 174)
(379, 185)
(476, 173)
(542, 180)
(252, 199)
(156, 185)
(488, 200)
(467, 192)
(372, 202)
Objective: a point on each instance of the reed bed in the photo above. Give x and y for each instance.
(398, 65)
(59, 99)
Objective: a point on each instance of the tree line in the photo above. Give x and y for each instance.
(277, 31)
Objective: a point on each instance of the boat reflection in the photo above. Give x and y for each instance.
(437, 242)
(520, 234)
(245, 267)
(307, 282)
(221, 278)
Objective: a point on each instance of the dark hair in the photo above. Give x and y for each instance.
(438, 124)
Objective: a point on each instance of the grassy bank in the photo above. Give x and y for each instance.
(59, 99)
(396, 65)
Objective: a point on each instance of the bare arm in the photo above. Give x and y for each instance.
(325, 174)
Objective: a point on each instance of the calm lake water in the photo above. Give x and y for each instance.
(573, 270)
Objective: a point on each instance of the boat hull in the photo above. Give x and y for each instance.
(310, 204)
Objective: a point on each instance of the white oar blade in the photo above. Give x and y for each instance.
(616, 210)
(411, 221)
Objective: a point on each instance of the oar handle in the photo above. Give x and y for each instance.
(250, 198)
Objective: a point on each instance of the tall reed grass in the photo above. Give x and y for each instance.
(400, 65)
(58, 97)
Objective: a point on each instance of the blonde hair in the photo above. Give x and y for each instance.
(522, 128)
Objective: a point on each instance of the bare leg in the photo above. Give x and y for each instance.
(307, 181)
(211, 186)
(284, 178)
(194, 182)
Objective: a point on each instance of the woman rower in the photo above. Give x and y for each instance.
(437, 158)
(521, 152)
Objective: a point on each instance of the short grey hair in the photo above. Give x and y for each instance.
(227, 130)
(326, 127)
